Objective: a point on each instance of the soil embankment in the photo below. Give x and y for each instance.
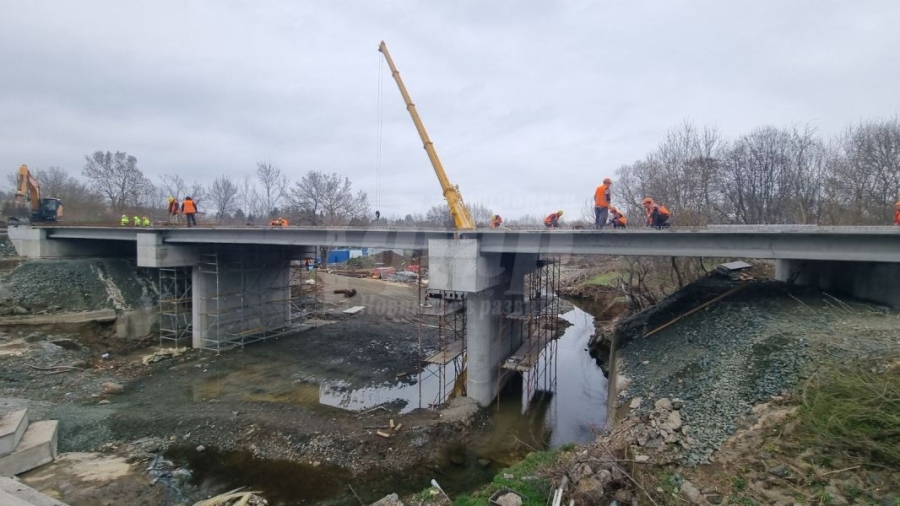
(715, 406)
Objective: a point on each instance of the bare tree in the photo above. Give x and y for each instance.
(223, 196)
(173, 185)
(273, 184)
(117, 177)
(81, 201)
(328, 199)
(439, 215)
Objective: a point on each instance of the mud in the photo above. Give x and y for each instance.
(262, 407)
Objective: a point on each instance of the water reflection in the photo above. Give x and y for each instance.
(566, 386)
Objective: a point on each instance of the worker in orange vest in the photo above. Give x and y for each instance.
(552, 220)
(617, 219)
(601, 203)
(496, 221)
(173, 210)
(189, 209)
(657, 214)
(897, 213)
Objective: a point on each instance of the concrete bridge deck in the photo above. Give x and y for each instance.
(797, 242)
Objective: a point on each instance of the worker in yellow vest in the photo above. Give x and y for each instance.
(136, 221)
(145, 221)
(124, 220)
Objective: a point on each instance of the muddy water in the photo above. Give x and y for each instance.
(568, 405)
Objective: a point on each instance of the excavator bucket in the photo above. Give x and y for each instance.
(16, 211)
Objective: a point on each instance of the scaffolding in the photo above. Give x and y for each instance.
(446, 312)
(175, 306)
(538, 319)
(246, 296)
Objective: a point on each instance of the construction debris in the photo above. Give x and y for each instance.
(349, 292)
(383, 434)
(163, 354)
(234, 498)
(354, 309)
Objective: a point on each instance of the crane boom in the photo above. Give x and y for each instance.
(461, 216)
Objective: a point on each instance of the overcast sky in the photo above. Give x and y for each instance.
(529, 103)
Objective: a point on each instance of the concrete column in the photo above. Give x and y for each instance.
(244, 295)
(872, 281)
(153, 252)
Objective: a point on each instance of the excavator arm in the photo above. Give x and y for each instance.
(27, 183)
(461, 216)
(28, 203)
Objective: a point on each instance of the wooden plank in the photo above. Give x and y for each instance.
(527, 355)
(353, 310)
(446, 355)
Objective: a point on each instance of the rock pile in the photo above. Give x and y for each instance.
(601, 472)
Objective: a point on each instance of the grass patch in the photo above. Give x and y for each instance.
(604, 279)
(854, 411)
(535, 488)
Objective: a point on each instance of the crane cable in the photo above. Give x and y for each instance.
(379, 130)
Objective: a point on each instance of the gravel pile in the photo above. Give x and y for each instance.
(721, 361)
(81, 285)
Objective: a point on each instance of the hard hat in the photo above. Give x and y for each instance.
(171, 199)
(607, 181)
(647, 200)
(559, 212)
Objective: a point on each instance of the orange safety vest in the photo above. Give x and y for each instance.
(173, 207)
(620, 219)
(549, 219)
(601, 196)
(284, 222)
(663, 211)
(189, 207)
(897, 217)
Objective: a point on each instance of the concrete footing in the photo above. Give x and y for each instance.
(871, 281)
(14, 493)
(12, 428)
(37, 447)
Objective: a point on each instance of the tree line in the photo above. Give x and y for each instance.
(769, 176)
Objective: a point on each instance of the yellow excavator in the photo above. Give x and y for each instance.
(461, 216)
(28, 204)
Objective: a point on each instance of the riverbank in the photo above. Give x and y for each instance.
(770, 395)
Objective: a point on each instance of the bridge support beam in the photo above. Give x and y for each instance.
(34, 243)
(494, 286)
(872, 281)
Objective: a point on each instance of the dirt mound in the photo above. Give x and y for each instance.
(80, 285)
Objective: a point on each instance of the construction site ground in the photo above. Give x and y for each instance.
(117, 408)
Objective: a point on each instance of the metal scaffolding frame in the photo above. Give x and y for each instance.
(304, 305)
(245, 313)
(535, 359)
(448, 363)
(175, 305)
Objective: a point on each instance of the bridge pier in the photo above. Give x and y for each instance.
(494, 286)
(872, 281)
(239, 293)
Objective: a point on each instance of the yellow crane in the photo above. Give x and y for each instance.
(461, 216)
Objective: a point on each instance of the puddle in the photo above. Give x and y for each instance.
(575, 408)
(287, 483)
(572, 390)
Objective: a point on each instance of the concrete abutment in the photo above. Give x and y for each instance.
(872, 281)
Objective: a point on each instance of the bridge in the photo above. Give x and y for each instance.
(236, 272)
